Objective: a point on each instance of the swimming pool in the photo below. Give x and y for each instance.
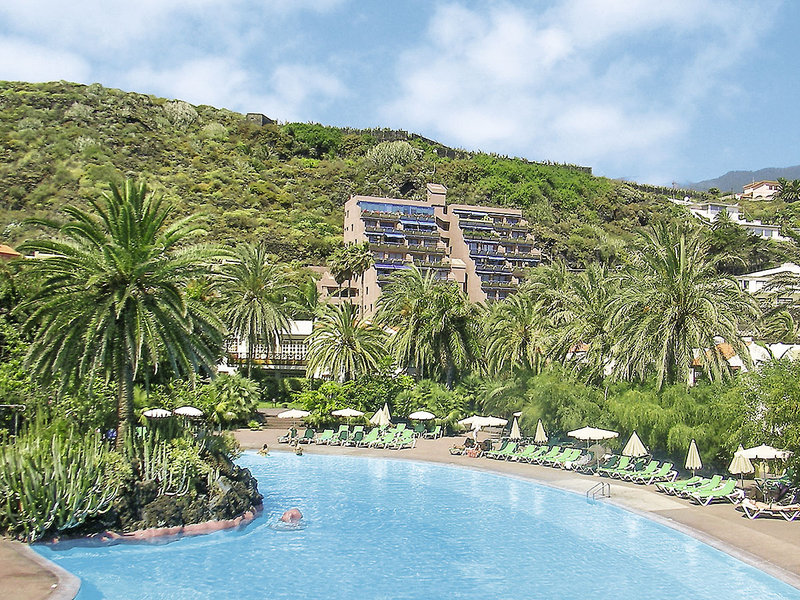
(382, 528)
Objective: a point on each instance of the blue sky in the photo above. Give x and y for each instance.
(656, 92)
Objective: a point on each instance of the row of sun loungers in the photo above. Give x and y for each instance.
(395, 438)
(703, 491)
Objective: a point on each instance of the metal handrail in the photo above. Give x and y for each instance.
(601, 488)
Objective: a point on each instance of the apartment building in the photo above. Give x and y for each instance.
(707, 213)
(288, 357)
(483, 249)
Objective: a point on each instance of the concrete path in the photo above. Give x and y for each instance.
(772, 545)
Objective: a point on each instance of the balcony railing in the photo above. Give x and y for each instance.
(499, 285)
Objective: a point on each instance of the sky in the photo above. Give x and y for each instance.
(655, 92)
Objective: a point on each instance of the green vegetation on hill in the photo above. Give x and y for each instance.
(283, 185)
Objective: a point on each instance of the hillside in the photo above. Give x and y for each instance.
(286, 184)
(733, 181)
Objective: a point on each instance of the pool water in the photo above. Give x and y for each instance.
(382, 528)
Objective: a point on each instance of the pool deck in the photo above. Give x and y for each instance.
(772, 545)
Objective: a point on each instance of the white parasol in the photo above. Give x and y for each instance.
(515, 433)
(634, 447)
(541, 436)
(188, 411)
(347, 412)
(740, 465)
(294, 413)
(693, 461)
(382, 417)
(422, 415)
(157, 413)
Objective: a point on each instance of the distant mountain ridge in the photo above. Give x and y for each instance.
(734, 180)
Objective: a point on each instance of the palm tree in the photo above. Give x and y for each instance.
(113, 298)
(673, 302)
(436, 326)
(360, 260)
(582, 320)
(253, 291)
(788, 191)
(341, 267)
(402, 307)
(343, 345)
(450, 329)
(515, 336)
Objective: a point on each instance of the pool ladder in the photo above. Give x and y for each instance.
(601, 489)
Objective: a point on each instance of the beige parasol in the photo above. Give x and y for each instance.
(634, 447)
(740, 464)
(693, 461)
(541, 436)
(515, 433)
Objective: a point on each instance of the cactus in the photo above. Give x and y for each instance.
(51, 482)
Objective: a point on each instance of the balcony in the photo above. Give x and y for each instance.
(484, 268)
(382, 230)
(499, 285)
(428, 249)
(386, 216)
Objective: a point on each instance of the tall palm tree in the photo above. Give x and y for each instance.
(113, 298)
(450, 329)
(252, 292)
(402, 307)
(582, 320)
(341, 268)
(360, 260)
(344, 345)
(673, 302)
(515, 335)
(436, 326)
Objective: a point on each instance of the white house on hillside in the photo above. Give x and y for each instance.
(760, 190)
(707, 212)
(754, 282)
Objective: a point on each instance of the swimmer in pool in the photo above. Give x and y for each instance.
(292, 515)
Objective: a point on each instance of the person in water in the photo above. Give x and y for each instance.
(264, 450)
(292, 515)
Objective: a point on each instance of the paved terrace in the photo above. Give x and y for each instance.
(772, 545)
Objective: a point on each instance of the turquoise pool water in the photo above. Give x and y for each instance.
(381, 528)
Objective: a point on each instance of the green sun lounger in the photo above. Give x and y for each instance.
(708, 484)
(308, 436)
(622, 466)
(369, 437)
(726, 491)
(664, 473)
(406, 439)
(384, 440)
(649, 469)
(523, 453)
(540, 451)
(504, 452)
(340, 438)
(551, 452)
(436, 433)
(569, 455)
(354, 439)
(669, 487)
(325, 437)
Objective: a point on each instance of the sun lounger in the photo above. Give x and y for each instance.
(307, 437)
(709, 484)
(551, 452)
(726, 491)
(384, 440)
(670, 487)
(568, 454)
(521, 455)
(290, 436)
(664, 473)
(649, 469)
(325, 437)
(504, 453)
(753, 509)
(369, 437)
(540, 451)
(354, 439)
(405, 439)
(341, 436)
(436, 433)
(622, 465)
(419, 430)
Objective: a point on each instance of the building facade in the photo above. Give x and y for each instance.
(483, 249)
(760, 190)
(287, 358)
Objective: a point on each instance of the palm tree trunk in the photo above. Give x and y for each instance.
(124, 405)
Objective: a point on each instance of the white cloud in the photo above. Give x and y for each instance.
(598, 82)
(286, 93)
(21, 60)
